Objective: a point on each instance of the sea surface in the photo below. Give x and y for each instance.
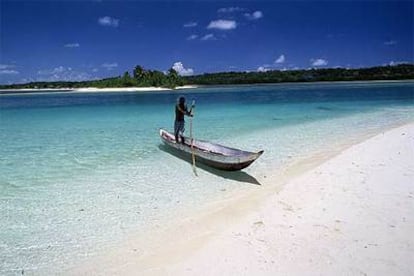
(80, 171)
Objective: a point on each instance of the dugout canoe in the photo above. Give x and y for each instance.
(211, 154)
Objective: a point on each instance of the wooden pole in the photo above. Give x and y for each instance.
(192, 139)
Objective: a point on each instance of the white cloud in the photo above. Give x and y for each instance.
(262, 69)
(6, 66)
(222, 24)
(108, 21)
(319, 62)
(55, 70)
(230, 9)
(254, 16)
(27, 80)
(280, 59)
(109, 66)
(390, 43)
(395, 63)
(8, 72)
(190, 24)
(179, 67)
(257, 14)
(192, 37)
(72, 45)
(62, 73)
(208, 37)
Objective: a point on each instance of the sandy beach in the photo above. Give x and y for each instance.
(132, 89)
(91, 89)
(351, 214)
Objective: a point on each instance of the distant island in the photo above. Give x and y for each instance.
(171, 79)
(398, 72)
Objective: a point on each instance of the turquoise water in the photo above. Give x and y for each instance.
(79, 171)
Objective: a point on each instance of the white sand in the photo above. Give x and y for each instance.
(123, 89)
(352, 215)
(131, 89)
(95, 89)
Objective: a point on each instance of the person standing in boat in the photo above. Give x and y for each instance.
(179, 123)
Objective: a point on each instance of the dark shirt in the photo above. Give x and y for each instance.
(179, 114)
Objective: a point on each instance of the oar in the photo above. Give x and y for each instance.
(192, 139)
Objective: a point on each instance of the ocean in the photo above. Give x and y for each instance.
(81, 171)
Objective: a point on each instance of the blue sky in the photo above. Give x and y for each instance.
(78, 40)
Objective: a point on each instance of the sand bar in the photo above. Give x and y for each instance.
(349, 215)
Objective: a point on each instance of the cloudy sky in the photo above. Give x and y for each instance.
(79, 40)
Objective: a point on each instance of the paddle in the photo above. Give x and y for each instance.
(191, 136)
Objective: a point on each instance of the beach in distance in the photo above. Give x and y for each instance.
(91, 89)
(184, 87)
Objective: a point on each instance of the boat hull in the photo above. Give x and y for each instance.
(210, 154)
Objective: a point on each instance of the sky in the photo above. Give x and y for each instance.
(83, 40)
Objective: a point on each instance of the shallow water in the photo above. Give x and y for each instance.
(80, 171)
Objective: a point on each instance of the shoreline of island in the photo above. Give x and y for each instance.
(30, 91)
(27, 91)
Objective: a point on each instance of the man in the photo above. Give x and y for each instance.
(180, 111)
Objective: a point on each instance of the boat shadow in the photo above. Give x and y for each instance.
(239, 176)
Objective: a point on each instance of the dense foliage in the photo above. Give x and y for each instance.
(144, 78)
(399, 72)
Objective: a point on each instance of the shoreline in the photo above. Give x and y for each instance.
(311, 82)
(191, 242)
(29, 91)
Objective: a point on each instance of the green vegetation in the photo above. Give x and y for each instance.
(140, 78)
(399, 72)
(144, 78)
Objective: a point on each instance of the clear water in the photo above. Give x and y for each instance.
(78, 172)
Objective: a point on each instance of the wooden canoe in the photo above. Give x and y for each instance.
(213, 155)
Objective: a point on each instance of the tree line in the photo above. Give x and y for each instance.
(171, 79)
(398, 72)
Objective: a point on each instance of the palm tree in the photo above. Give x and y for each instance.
(139, 72)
